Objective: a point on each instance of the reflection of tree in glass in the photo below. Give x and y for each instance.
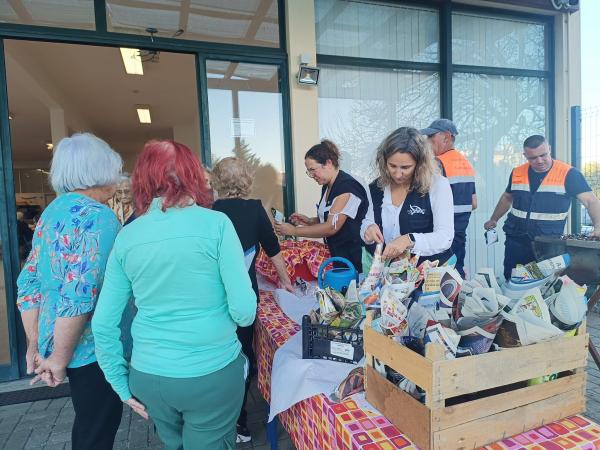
(497, 42)
(369, 120)
(244, 152)
(495, 114)
(267, 185)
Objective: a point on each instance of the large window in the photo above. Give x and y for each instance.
(358, 107)
(500, 101)
(246, 120)
(55, 13)
(494, 115)
(248, 22)
(497, 42)
(365, 30)
(374, 59)
(381, 69)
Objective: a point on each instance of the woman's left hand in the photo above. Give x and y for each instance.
(137, 407)
(397, 247)
(285, 229)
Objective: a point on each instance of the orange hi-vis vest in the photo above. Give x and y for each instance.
(543, 212)
(460, 174)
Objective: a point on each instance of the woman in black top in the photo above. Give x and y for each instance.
(340, 211)
(411, 202)
(232, 180)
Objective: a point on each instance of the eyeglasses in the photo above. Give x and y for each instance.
(312, 170)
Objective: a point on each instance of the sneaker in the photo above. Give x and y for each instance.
(243, 434)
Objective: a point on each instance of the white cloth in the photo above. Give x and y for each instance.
(350, 209)
(294, 379)
(295, 306)
(426, 244)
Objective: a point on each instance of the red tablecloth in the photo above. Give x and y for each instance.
(317, 423)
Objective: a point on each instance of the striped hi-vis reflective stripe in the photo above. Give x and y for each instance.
(518, 213)
(462, 209)
(548, 216)
(461, 179)
(519, 187)
(553, 189)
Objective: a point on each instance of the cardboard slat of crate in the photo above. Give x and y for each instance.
(477, 373)
(508, 423)
(410, 416)
(461, 413)
(413, 366)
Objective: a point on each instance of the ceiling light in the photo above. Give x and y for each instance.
(49, 146)
(143, 113)
(132, 61)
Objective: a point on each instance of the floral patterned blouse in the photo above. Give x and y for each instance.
(65, 269)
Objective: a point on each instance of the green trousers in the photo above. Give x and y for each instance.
(197, 413)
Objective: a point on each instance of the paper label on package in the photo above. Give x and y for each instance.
(341, 350)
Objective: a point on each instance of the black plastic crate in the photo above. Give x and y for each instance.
(333, 343)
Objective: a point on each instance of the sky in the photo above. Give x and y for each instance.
(590, 56)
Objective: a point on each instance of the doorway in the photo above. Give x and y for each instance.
(57, 89)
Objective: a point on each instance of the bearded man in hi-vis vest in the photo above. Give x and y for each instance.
(459, 172)
(537, 199)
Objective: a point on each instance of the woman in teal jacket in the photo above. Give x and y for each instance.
(184, 265)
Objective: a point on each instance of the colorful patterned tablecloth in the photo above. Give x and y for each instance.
(319, 424)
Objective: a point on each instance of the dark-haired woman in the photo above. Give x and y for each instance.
(341, 210)
(411, 203)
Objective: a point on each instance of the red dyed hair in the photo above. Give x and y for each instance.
(169, 170)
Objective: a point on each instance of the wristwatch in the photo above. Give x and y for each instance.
(411, 238)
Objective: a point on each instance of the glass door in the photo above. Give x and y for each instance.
(245, 109)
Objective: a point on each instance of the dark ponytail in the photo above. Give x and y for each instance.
(324, 151)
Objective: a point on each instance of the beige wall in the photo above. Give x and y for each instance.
(300, 28)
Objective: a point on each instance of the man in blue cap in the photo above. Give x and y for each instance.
(460, 174)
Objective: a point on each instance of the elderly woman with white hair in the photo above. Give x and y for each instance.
(60, 282)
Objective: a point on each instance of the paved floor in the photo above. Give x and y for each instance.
(46, 424)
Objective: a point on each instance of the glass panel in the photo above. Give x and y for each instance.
(494, 115)
(498, 42)
(359, 107)
(370, 30)
(54, 13)
(4, 342)
(251, 22)
(246, 121)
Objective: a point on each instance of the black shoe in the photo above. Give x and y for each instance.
(243, 434)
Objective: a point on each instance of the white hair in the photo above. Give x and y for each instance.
(83, 161)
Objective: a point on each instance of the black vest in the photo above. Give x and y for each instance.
(415, 216)
(347, 242)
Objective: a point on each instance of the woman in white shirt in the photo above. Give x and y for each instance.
(411, 202)
(341, 210)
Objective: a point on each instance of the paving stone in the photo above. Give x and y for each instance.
(17, 440)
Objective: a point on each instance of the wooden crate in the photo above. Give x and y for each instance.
(474, 423)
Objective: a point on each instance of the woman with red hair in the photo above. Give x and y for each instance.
(184, 265)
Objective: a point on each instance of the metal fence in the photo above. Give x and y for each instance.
(585, 136)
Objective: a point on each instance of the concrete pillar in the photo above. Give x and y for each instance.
(300, 31)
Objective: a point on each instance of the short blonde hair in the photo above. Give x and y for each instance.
(231, 177)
